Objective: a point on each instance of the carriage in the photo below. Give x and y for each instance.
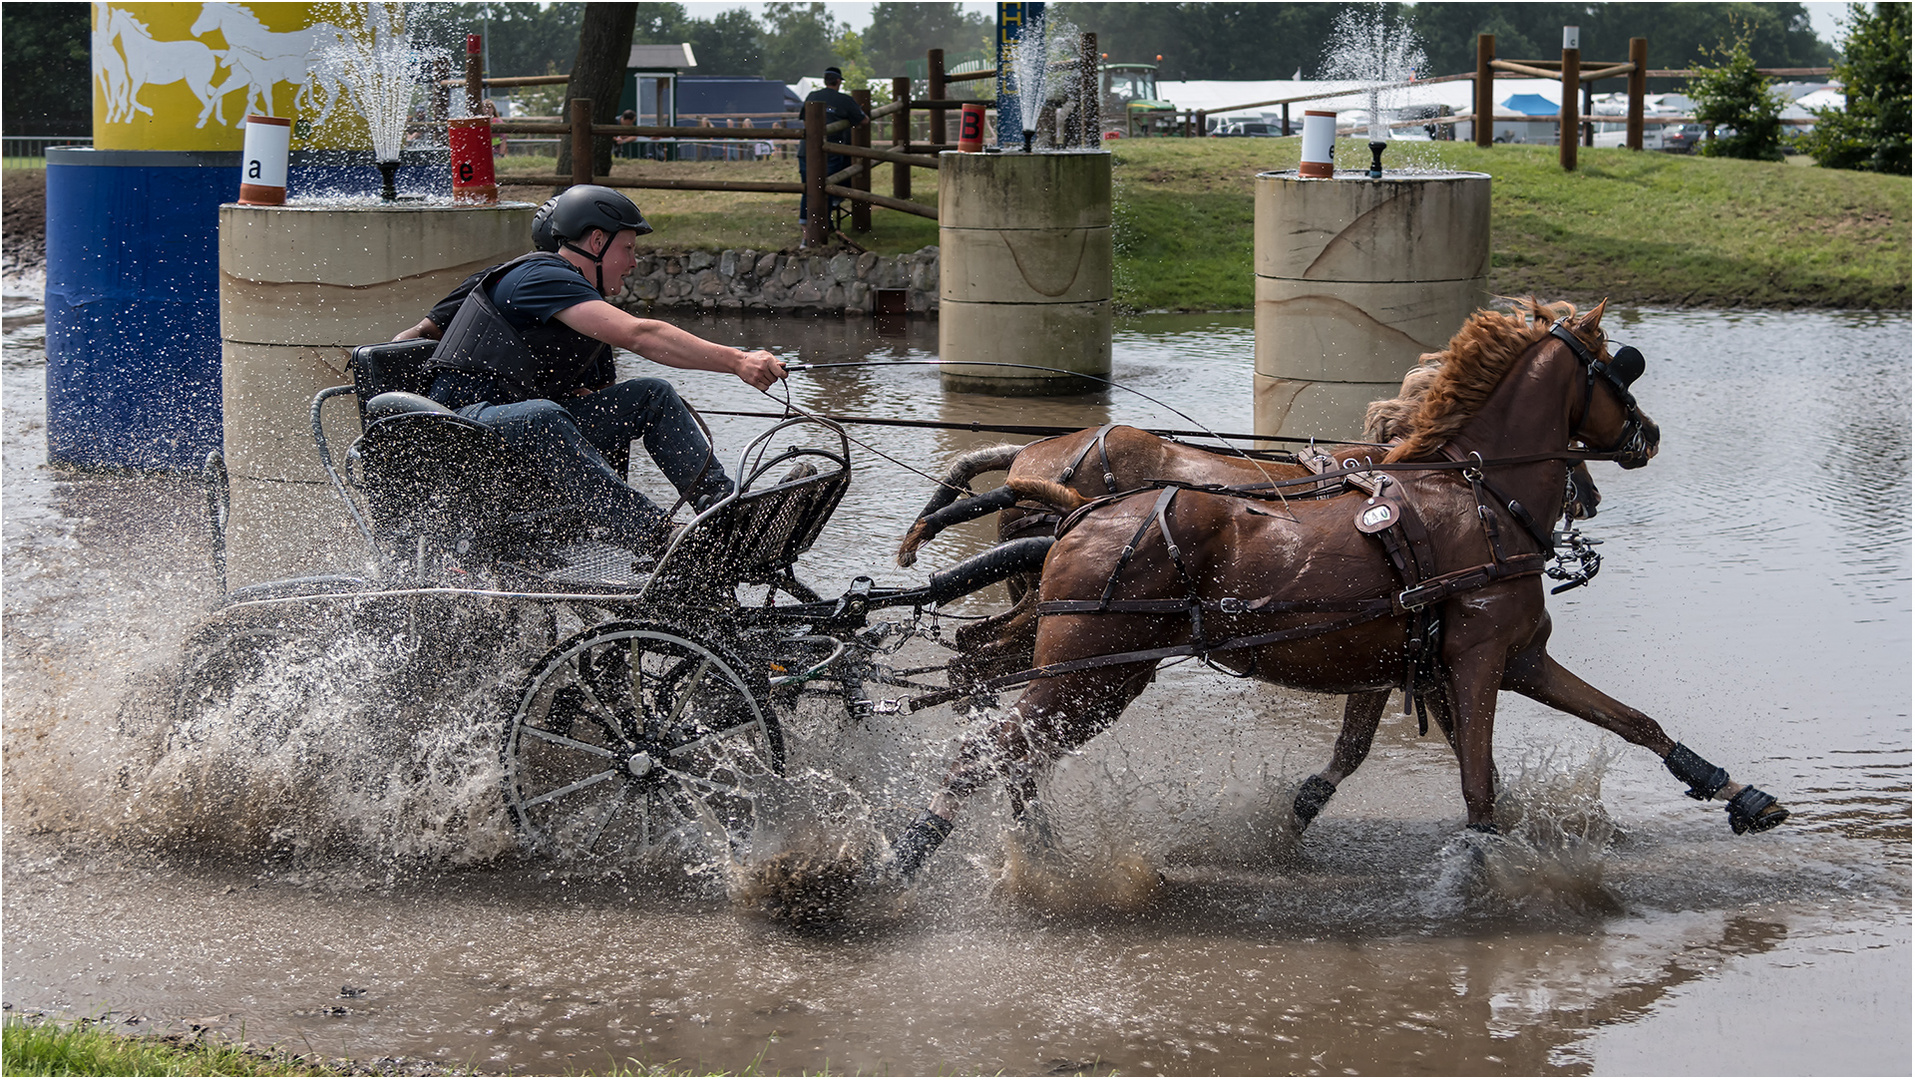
(651, 714)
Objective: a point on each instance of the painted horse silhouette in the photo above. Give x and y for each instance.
(1428, 576)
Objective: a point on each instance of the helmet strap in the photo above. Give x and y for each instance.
(598, 260)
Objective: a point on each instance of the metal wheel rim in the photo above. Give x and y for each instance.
(593, 772)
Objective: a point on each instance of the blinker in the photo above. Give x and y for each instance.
(1627, 364)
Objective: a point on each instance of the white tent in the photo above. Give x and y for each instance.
(1220, 98)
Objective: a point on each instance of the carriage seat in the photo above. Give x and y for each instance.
(401, 403)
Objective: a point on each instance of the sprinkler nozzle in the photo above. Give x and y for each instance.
(1029, 134)
(1376, 160)
(388, 192)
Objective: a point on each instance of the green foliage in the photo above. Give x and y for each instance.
(798, 40)
(903, 32)
(49, 89)
(1872, 132)
(1273, 41)
(1734, 100)
(521, 39)
(730, 43)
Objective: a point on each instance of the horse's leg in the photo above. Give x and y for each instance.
(1537, 675)
(1475, 676)
(1054, 716)
(1362, 713)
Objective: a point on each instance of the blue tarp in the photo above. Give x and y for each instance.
(1532, 105)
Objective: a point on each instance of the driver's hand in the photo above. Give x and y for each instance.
(760, 369)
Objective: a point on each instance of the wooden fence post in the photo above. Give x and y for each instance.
(901, 137)
(934, 61)
(861, 136)
(474, 76)
(1203, 122)
(581, 140)
(1090, 97)
(1484, 122)
(817, 203)
(1286, 118)
(1638, 89)
(1572, 102)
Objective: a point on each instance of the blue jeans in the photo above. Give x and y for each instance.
(565, 444)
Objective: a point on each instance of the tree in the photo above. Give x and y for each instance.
(598, 73)
(521, 39)
(1735, 102)
(1872, 130)
(798, 40)
(49, 90)
(731, 43)
(902, 32)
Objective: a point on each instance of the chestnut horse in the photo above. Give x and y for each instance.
(1103, 461)
(1293, 593)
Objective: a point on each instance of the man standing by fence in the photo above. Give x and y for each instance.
(838, 106)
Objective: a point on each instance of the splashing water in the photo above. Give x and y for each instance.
(1373, 47)
(1044, 43)
(374, 57)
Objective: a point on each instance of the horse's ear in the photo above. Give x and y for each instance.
(1593, 320)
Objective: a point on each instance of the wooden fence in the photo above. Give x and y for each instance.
(852, 183)
(1578, 88)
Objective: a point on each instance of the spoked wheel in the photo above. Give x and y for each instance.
(633, 742)
(237, 656)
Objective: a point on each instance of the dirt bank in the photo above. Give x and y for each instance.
(23, 220)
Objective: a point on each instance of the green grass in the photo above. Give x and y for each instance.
(1640, 228)
(83, 1049)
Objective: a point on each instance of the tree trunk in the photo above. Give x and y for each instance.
(598, 74)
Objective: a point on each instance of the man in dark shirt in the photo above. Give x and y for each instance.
(526, 348)
(838, 106)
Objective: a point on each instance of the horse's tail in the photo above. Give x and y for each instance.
(1048, 492)
(956, 481)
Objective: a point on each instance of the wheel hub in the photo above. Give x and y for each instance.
(640, 764)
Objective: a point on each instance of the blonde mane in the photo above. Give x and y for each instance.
(1468, 370)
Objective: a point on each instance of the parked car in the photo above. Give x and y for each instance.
(1265, 129)
(1681, 138)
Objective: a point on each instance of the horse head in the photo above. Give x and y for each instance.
(1610, 420)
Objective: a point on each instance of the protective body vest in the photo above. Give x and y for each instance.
(542, 361)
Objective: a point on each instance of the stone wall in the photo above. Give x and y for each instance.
(747, 280)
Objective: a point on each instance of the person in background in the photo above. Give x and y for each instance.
(838, 106)
(625, 146)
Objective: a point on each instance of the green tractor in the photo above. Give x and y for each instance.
(1131, 107)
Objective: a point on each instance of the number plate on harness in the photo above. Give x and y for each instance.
(1376, 515)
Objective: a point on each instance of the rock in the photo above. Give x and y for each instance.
(842, 267)
(673, 266)
(728, 263)
(866, 262)
(773, 292)
(767, 263)
(699, 260)
(730, 303)
(792, 274)
(710, 284)
(923, 276)
(645, 265)
(834, 297)
(918, 300)
(645, 289)
(808, 293)
(857, 295)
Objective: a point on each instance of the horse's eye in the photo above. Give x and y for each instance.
(1628, 364)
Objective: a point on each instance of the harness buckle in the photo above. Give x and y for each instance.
(1231, 605)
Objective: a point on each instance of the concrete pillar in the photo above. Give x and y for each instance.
(1355, 279)
(1024, 269)
(300, 286)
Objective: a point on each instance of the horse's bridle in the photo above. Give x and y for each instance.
(1622, 369)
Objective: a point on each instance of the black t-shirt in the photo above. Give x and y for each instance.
(838, 106)
(530, 297)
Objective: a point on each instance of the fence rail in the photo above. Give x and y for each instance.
(35, 146)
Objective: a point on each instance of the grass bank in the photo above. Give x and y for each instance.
(49, 1049)
(1641, 228)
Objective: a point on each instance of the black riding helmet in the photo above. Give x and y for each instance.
(570, 216)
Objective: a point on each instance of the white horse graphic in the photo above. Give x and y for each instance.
(109, 70)
(157, 63)
(259, 59)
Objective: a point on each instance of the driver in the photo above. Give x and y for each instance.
(525, 348)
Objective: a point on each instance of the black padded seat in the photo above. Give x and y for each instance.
(401, 403)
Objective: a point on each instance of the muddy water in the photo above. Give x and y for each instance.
(336, 882)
